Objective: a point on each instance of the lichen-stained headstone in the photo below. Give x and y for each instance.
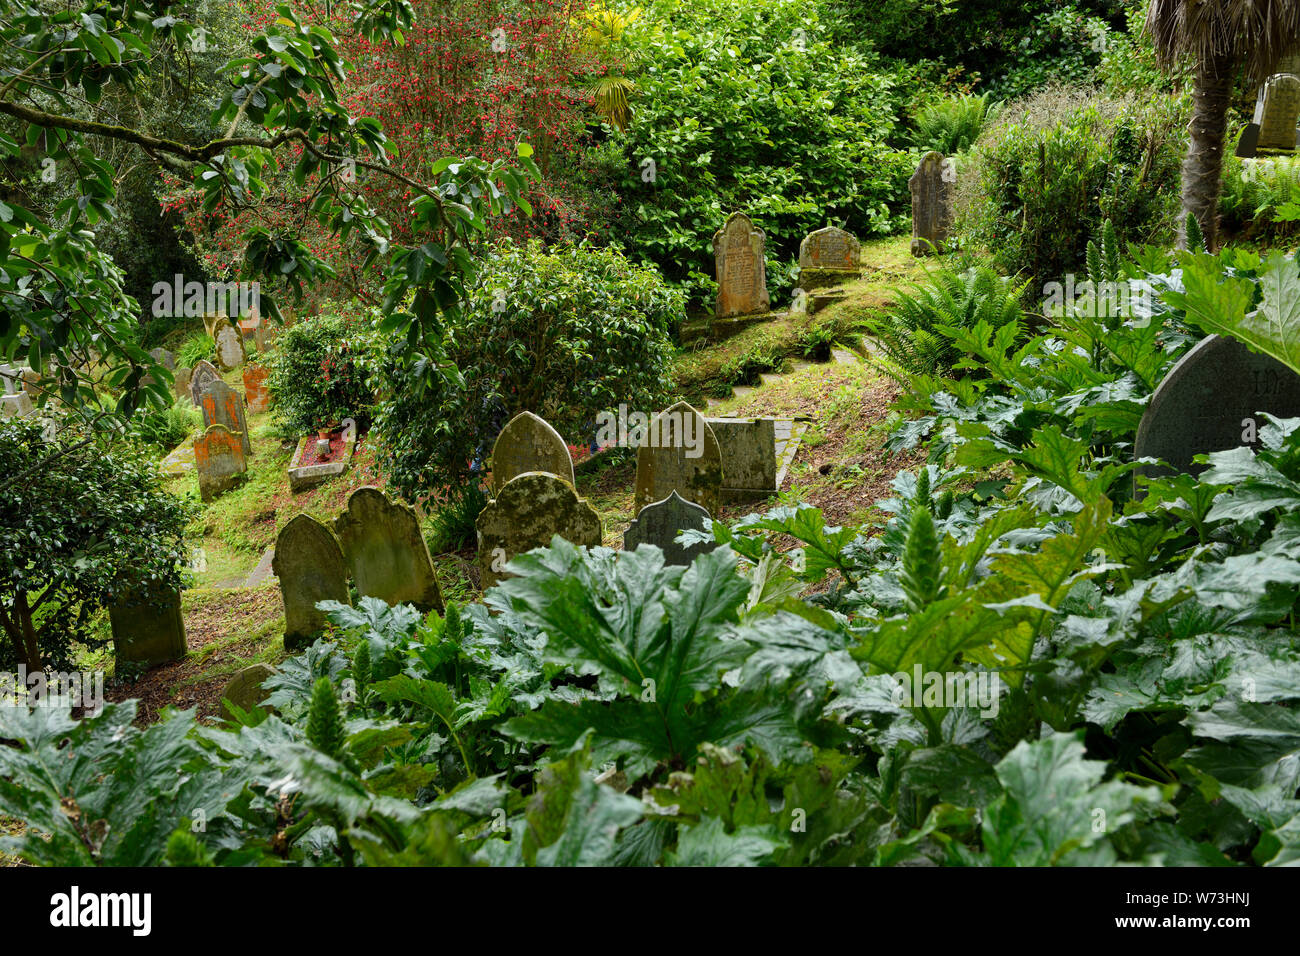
(222, 405)
(680, 453)
(219, 461)
(204, 374)
(932, 187)
(385, 551)
(148, 627)
(1210, 401)
(245, 689)
(1276, 112)
(738, 250)
(661, 522)
(830, 248)
(530, 510)
(256, 394)
(230, 347)
(529, 443)
(308, 560)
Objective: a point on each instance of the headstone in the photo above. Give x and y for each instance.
(529, 443)
(747, 447)
(828, 256)
(222, 405)
(219, 461)
(164, 358)
(17, 405)
(255, 391)
(1276, 112)
(1208, 401)
(661, 522)
(212, 322)
(932, 198)
(386, 552)
(530, 510)
(204, 374)
(181, 384)
(680, 453)
(230, 347)
(148, 627)
(245, 689)
(308, 560)
(738, 256)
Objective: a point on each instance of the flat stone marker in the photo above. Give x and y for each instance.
(1276, 112)
(748, 452)
(741, 269)
(932, 199)
(680, 454)
(256, 393)
(529, 511)
(1208, 400)
(148, 627)
(222, 405)
(230, 347)
(385, 551)
(308, 560)
(661, 522)
(529, 443)
(219, 460)
(245, 689)
(204, 374)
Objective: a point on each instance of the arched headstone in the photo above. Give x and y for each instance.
(256, 394)
(932, 197)
(526, 514)
(738, 257)
(230, 347)
(661, 522)
(1277, 110)
(204, 374)
(529, 443)
(679, 453)
(308, 560)
(245, 689)
(219, 461)
(1210, 401)
(385, 551)
(222, 405)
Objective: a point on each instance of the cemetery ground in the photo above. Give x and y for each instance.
(233, 613)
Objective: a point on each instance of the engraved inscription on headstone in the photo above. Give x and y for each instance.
(738, 255)
(1276, 112)
(932, 198)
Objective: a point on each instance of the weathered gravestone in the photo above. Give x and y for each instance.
(1276, 112)
(385, 551)
(204, 374)
(164, 358)
(747, 447)
(245, 689)
(527, 513)
(148, 627)
(230, 347)
(1211, 400)
(219, 461)
(661, 522)
(15, 402)
(827, 257)
(256, 393)
(308, 560)
(222, 405)
(932, 198)
(212, 323)
(529, 443)
(680, 453)
(181, 383)
(741, 268)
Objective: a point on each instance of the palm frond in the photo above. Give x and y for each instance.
(1254, 33)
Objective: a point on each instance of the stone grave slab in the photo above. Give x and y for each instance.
(741, 269)
(219, 461)
(932, 203)
(256, 394)
(680, 453)
(203, 375)
(828, 257)
(245, 689)
(1277, 110)
(148, 627)
(747, 447)
(222, 405)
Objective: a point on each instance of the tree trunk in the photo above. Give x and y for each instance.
(31, 650)
(1203, 165)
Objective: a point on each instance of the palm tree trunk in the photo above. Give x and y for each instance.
(1203, 166)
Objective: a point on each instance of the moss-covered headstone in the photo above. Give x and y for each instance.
(148, 627)
(385, 551)
(679, 453)
(308, 560)
(528, 512)
(529, 443)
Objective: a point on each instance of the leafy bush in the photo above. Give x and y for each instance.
(199, 347)
(1253, 193)
(565, 333)
(320, 372)
(1052, 168)
(952, 125)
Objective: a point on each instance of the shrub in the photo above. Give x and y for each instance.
(952, 125)
(320, 372)
(1053, 167)
(1252, 194)
(199, 347)
(564, 333)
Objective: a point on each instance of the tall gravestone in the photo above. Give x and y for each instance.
(230, 347)
(385, 551)
(680, 453)
(1276, 112)
(256, 394)
(222, 405)
(148, 627)
(204, 374)
(827, 257)
(529, 443)
(747, 447)
(308, 560)
(1209, 400)
(219, 461)
(738, 256)
(661, 522)
(527, 513)
(932, 198)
